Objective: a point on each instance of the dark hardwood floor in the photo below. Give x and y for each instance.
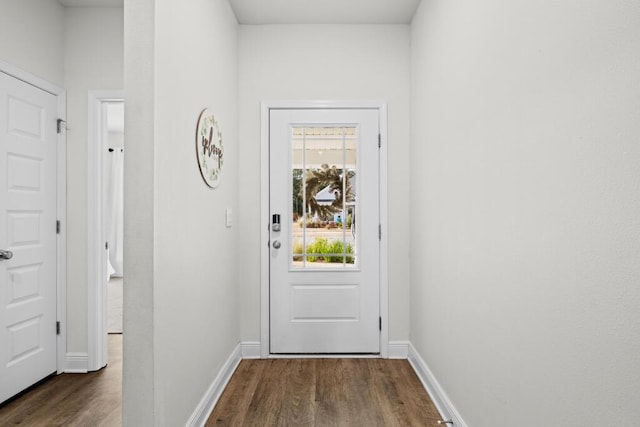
(273, 392)
(93, 399)
(324, 392)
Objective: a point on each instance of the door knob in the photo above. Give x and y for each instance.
(5, 254)
(276, 244)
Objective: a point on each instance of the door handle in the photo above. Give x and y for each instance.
(276, 244)
(5, 254)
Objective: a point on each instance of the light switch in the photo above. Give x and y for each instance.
(228, 217)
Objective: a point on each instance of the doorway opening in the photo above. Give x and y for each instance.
(105, 160)
(113, 174)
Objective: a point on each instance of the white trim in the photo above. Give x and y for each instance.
(61, 310)
(319, 104)
(384, 245)
(398, 349)
(31, 79)
(251, 350)
(265, 107)
(96, 299)
(61, 204)
(76, 363)
(209, 400)
(264, 229)
(324, 356)
(435, 390)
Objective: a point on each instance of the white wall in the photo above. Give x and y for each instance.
(31, 37)
(179, 61)
(525, 201)
(93, 60)
(138, 369)
(324, 62)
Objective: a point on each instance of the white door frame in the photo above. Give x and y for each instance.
(61, 267)
(266, 106)
(97, 328)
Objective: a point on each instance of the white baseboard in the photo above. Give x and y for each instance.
(209, 400)
(398, 349)
(250, 349)
(435, 390)
(76, 363)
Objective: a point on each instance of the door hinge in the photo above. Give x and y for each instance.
(380, 323)
(58, 327)
(58, 226)
(379, 231)
(379, 140)
(59, 125)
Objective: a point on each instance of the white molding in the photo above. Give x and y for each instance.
(251, 350)
(324, 356)
(264, 231)
(96, 274)
(31, 79)
(384, 241)
(61, 204)
(374, 104)
(265, 107)
(398, 349)
(76, 363)
(62, 236)
(436, 392)
(209, 400)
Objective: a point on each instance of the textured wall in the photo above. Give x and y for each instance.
(93, 60)
(525, 251)
(324, 62)
(186, 280)
(31, 37)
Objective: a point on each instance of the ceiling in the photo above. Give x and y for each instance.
(302, 11)
(92, 3)
(324, 11)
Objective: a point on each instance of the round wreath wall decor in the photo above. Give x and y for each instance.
(209, 149)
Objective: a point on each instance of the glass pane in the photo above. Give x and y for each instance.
(324, 197)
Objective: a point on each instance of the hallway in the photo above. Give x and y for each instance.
(324, 392)
(509, 249)
(301, 392)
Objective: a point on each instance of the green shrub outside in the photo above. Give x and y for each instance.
(324, 251)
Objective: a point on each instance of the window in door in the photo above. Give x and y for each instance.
(324, 183)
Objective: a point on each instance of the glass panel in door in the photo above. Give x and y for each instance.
(324, 187)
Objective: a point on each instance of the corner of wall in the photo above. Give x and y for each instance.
(76, 363)
(439, 397)
(207, 404)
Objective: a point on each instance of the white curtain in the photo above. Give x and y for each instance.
(114, 213)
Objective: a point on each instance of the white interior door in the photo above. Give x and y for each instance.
(324, 256)
(28, 142)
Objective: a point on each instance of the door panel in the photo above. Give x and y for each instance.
(28, 142)
(324, 196)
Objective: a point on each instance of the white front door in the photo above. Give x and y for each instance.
(28, 143)
(324, 238)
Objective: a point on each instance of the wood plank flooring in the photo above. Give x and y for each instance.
(324, 392)
(274, 392)
(93, 399)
